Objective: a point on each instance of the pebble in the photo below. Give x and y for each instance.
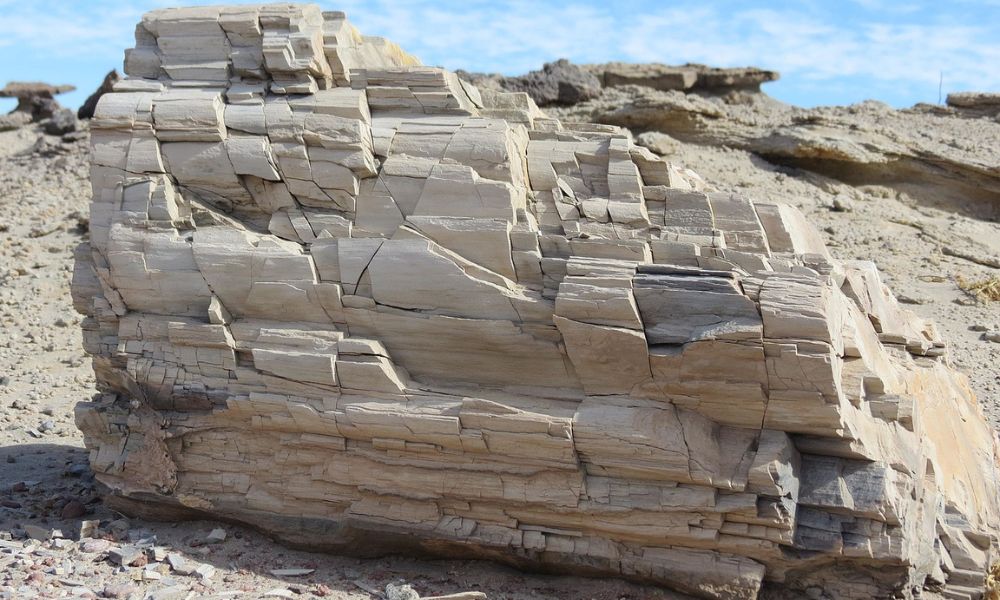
(37, 533)
(126, 556)
(992, 336)
(291, 572)
(119, 590)
(842, 204)
(95, 546)
(178, 564)
(205, 572)
(90, 529)
(217, 536)
(118, 528)
(401, 591)
(279, 593)
(174, 592)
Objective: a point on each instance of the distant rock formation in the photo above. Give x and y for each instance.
(367, 307)
(689, 77)
(559, 82)
(976, 104)
(924, 151)
(86, 110)
(564, 83)
(35, 103)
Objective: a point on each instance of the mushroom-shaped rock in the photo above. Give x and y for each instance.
(35, 97)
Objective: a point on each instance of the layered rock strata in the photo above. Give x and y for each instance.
(364, 306)
(690, 77)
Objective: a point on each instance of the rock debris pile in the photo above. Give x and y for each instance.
(365, 306)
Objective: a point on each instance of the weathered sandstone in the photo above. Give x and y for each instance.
(976, 104)
(364, 306)
(924, 151)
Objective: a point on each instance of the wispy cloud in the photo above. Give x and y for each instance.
(826, 51)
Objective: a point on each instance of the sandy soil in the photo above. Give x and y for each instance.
(45, 481)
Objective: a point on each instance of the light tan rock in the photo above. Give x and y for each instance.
(356, 303)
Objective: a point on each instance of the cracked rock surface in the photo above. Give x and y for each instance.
(364, 306)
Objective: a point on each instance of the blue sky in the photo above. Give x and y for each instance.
(828, 52)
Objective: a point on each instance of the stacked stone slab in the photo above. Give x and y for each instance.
(351, 301)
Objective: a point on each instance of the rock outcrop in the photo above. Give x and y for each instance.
(976, 104)
(36, 103)
(563, 83)
(690, 77)
(35, 97)
(559, 82)
(928, 152)
(364, 306)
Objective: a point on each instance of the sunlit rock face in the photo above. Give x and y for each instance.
(361, 305)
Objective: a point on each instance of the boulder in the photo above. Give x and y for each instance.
(367, 307)
(63, 121)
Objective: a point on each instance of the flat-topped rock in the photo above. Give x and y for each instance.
(368, 307)
(34, 98)
(986, 104)
(33, 89)
(684, 77)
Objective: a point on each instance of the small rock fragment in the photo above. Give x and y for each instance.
(178, 564)
(658, 142)
(842, 204)
(95, 546)
(37, 533)
(126, 556)
(118, 529)
(119, 590)
(291, 572)
(217, 536)
(90, 529)
(63, 121)
(174, 592)
(205, 572)
(401, 591)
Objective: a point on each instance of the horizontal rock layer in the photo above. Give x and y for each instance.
(365, 306)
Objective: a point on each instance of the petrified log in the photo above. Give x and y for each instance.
(356, 303)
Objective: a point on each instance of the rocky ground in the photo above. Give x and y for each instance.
(928, 245)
